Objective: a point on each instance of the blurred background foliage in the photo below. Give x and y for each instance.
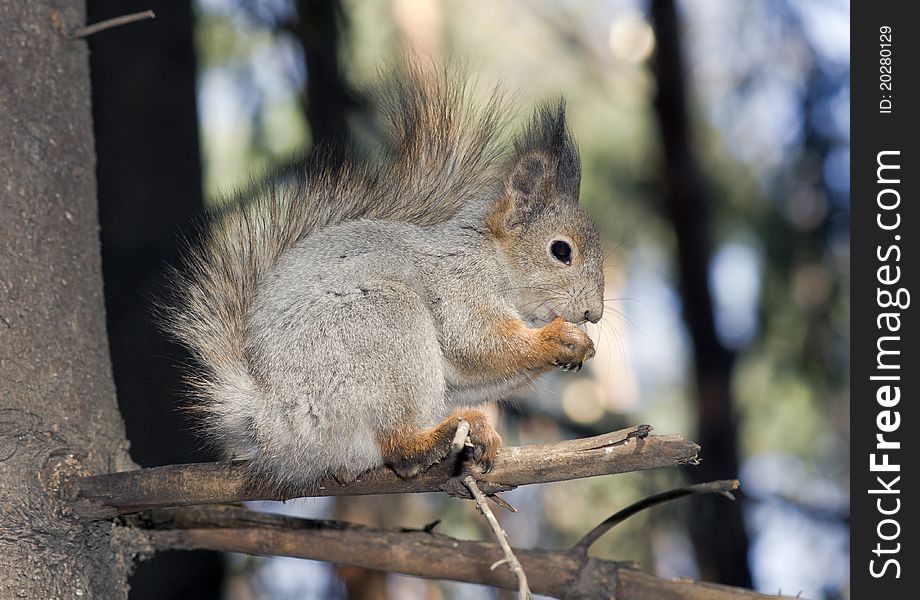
(764, 84)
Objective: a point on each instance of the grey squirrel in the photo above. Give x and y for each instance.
(348, 316)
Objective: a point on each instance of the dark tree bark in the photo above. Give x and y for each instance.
(718, 535)
(58, 413)
(149, 174)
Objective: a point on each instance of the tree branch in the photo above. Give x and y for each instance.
(566, 574)
(104, 496)
(724, 487)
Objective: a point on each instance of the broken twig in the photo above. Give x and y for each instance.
(89, 30)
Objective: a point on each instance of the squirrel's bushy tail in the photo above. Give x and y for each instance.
(443, 153)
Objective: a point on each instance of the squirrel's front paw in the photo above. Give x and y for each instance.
(570, 347)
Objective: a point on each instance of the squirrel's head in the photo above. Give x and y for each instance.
(553, 247)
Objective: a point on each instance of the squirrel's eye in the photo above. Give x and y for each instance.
(561, 251)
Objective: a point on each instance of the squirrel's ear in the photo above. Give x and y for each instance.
(528, 177)
(528, 189)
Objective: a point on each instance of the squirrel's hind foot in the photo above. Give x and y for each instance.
(483, 437)
(410, 452)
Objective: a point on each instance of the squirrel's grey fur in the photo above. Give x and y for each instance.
(345, 302)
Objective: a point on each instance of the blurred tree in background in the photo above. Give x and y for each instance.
(714, 137)
(721, 557)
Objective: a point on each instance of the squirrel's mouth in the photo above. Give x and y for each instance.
(543, 315)
(551, 313)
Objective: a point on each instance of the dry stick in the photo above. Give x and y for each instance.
(89, 30)
(501, 536)
(103, 496)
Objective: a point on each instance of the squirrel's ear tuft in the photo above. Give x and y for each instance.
(545, 152)
(545, 168)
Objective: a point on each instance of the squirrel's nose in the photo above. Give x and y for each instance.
(594, 315)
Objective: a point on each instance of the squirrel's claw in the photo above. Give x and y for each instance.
(478, 451)
(481, 458)
(574, 367)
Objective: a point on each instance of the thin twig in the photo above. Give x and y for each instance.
(89, 30)
(460, 438)
(497, 499)
(724, 487)
(513, 564)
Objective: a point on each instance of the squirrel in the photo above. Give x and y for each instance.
(348, 316)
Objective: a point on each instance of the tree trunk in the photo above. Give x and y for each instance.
(58, 413)
(149, 175)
